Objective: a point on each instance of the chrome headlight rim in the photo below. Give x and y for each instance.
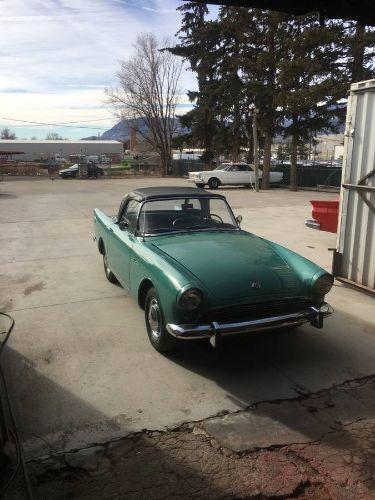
(190, 299)
(322, 284)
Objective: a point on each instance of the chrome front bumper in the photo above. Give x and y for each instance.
(313, 315)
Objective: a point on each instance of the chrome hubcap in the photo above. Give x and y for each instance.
(154, 318)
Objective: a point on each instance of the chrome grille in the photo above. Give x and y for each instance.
(256, 310)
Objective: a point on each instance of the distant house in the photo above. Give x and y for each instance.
(326, 146)
(34, 150)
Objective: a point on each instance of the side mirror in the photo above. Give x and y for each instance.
(123, 225)
(239, 219)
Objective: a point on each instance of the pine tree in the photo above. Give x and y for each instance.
(309, 90)
(261, 55)
(360, 51)
(198, 43)
(294, 71)
(231, 23)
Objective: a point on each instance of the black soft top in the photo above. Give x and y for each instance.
(150, 193)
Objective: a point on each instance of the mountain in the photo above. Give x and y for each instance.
(121, 131)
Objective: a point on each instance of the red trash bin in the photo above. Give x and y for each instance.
(325, 215)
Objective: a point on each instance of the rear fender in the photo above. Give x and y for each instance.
(101, 224)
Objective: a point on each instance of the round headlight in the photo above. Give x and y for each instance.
(323, 284)
(191, 299)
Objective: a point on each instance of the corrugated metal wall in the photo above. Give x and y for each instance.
(356, 240)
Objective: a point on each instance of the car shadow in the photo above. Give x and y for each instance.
(55, 425)
(278, 365)
(253, 370)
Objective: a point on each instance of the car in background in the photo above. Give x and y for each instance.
(235, 174)
(72, 172)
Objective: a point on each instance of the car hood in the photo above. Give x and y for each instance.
(204, 172)
(232, 265)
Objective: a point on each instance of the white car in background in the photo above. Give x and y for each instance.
(235, 174)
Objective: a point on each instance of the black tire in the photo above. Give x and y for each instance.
(201, 186)
(160, 339)
(214, 183)
(109, 274)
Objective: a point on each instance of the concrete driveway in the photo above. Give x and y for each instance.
(79, 364)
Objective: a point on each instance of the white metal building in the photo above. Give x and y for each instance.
(354, 260)
(43, 150)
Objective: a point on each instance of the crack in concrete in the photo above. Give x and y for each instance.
(70, 302)
(188, 426)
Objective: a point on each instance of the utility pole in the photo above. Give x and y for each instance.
(254, 112)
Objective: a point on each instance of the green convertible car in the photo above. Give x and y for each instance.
(183, 257)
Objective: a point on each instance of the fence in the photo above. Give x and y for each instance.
(182, 167)
(312, 175)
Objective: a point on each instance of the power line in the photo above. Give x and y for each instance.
(56, 124)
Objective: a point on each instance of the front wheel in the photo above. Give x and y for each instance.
(160, 339)
(200, 185)
(214, 183)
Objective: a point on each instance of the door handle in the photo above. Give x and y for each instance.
(110, 229)
(134, 260)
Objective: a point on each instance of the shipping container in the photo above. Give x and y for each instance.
(354, 258)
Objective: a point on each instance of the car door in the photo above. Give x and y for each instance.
(233, 175)
(238, 175)
(245, 174)
(120, 242)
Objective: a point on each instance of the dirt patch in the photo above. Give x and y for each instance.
(34, 288)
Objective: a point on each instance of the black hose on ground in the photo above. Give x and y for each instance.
(20, 459)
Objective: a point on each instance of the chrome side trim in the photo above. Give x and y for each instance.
(314, 224)
(312, 315)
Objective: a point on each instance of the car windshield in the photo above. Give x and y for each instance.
(185, 214)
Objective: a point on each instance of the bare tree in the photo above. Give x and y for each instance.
(148, 94)
(53, 136)
(7, 134)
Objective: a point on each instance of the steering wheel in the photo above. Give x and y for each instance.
(218, 216)
(176, 221)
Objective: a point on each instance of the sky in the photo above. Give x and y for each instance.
(57, 57)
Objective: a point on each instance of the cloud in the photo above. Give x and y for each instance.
(61, 54)
(15, 90)
(159, 11)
